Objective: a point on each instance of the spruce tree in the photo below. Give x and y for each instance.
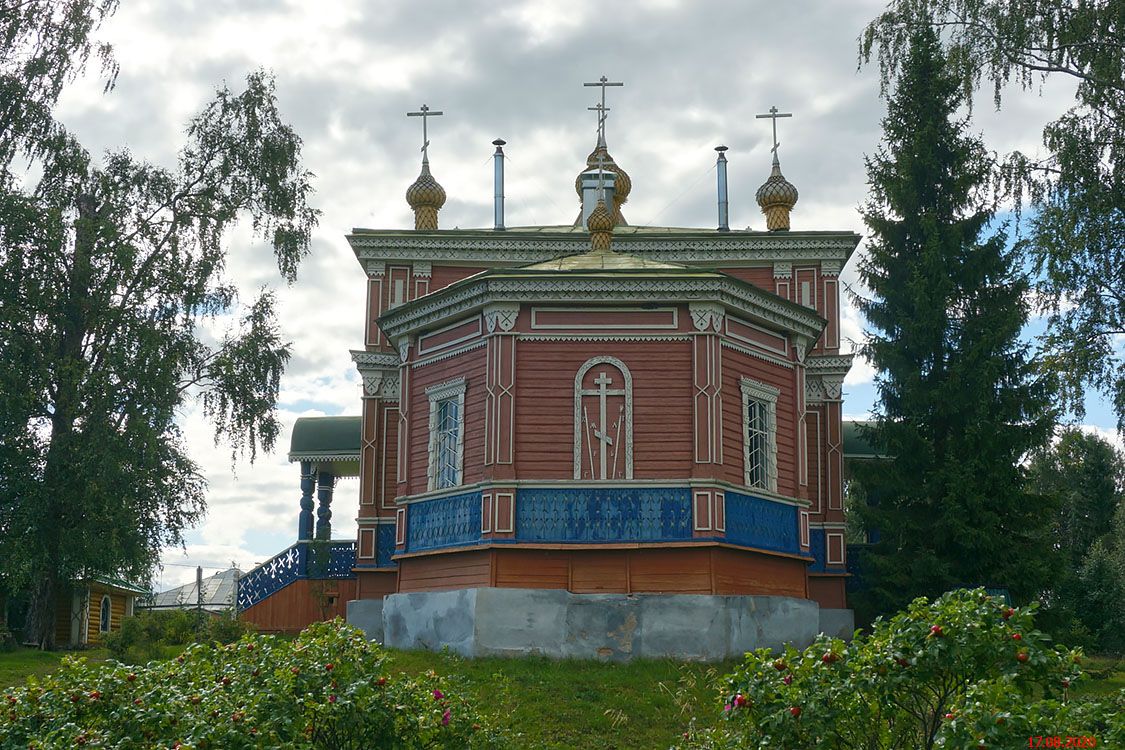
(958, 402)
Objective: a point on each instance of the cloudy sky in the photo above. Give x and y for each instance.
(696, 72)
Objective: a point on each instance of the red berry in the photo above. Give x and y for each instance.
(195, 700)
(1008, 613)
(1066, 683)
(331, 699)
(795, 710)
(249, 646)
(1017, 637)
(936, 631)
(950, 717)
(130, 677)
(829, 657)
(226, 680)
(94, 695)
(137, 702)
(381, 681)
(779, 665)
(329, 667)
(295, 670)
(787, 679)
(1021, 656)
(740, 700)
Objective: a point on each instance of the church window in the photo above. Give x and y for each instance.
(447, 434)
(603, 420)
(106, 610)
(759, 434)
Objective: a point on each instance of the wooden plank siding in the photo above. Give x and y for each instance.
(737, 365)
(117, 613)
(662, 416)
(471, 366)
(759, 276)
(696, 570)
(443, 276)
(828, 591)
(301, 603)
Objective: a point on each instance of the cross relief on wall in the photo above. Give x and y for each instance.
(603, 420)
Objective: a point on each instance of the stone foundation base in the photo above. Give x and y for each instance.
(615, 627)
(837, 623)
(367, 615)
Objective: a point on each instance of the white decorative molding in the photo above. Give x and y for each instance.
(757, 304)
(830, 267)
(824, 377)
(501, 316)
(801, 346)
(448, 354)
(585, 433)
(380, 373)
(375, 267)
(706, 316)
(783, 270)
(603, 337)
(422, 268)
(403, 345)
(765, 395)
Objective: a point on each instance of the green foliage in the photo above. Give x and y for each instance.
(958, 405)
(329, 688)
(1086, 600)
(148, 635)
(1077, 191)
(962, 671)
(113, 317)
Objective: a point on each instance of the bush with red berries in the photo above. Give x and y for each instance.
(328, 688)
(963, 671)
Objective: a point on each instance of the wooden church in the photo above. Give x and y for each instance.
(592, 439)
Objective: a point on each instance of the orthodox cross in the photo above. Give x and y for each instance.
(602, 382)
(773, 115)
(603, 82)
(424, 113)
(601, 109)
(600, 164)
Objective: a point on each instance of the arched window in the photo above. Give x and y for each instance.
(106, 607)
(603, 420)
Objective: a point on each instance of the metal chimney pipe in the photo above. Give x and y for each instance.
(724, 206)
(498, 178)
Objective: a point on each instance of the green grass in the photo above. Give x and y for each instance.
(1103, 675)
(581, 704)
(16, 666)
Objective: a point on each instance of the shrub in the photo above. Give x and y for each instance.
(963, 671)
(149, 635)
(325, 689)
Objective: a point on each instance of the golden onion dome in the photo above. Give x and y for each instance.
(600, 225)
(426, 192)
(622, 184)
(777, 196)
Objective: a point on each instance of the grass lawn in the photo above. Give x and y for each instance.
(581, 704)
(18, 665)
(1102, 675)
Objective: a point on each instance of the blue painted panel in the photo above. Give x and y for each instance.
(603, 514)
(452, 521)
(271, 576)
(385, 545)
(765, 524)
(818, 550)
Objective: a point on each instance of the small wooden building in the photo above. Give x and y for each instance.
(88, 610)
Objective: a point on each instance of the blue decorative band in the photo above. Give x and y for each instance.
(452, 521)
(603, 514)
(818, 550)
(326, 559)
(385, 545)
(765, 524)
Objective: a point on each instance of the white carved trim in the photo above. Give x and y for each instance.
(830, 267)
(783, 270)
(706, 317)
(422, 268)
(422, 362)
(425, 351)
(766, 394)
(537, 326)
(501, 316)
(804, 516)
(759, 354)
(375, 268)
(603, 337)
(403, 346)
(784, 352)
(579, 392)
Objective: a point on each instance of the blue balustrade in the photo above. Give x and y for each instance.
(603, 514)
(765, 524)
(294, 563)
(385, 546)
(452, 521)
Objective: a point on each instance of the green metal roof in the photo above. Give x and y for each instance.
(856, 444)
(325, 438)
(120, 583)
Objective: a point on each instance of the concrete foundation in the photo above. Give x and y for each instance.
(367, 615)
(612, 627)
(837, 623)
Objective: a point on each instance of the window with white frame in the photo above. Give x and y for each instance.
(105, 614)
(759, 434)
(447, 434)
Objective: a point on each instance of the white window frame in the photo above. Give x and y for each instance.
(766, 395)
(437, 394)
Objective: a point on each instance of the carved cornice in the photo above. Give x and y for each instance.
(830, 267)
(380, 374)
(374, 267)
(783, 270)
(423, 268)
(824, 377)
(756, 304)
(514, 248)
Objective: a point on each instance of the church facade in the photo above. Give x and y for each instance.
(595, 439)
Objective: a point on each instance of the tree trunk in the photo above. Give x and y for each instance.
(59, 499)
